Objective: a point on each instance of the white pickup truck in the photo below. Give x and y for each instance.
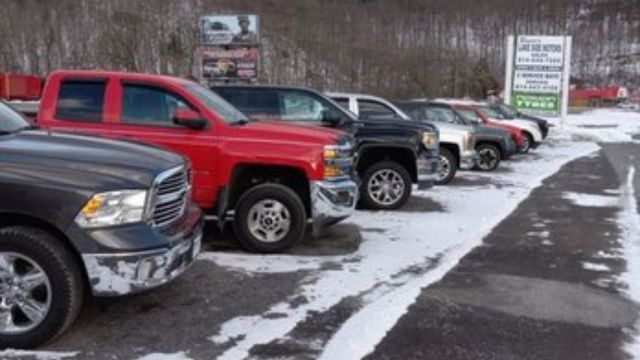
(457, 143)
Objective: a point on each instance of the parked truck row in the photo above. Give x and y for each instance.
(105, 188)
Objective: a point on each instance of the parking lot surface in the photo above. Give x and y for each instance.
(534, 261)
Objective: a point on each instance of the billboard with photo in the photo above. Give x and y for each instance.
(230, 30)
(220, 64)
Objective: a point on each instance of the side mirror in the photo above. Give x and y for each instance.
(331, 118)
(189, 119)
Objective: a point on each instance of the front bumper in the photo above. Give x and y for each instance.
(122, 273)
(468, 159)
(332, 200)
(510, 148)
(427, 166)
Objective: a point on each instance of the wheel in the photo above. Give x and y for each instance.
(447, 167)
(41, 287)
(269, 218)
(488, 157)
(386, 185)
(526, 144)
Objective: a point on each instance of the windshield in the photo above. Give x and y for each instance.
(491, 113)
(470, 116)
(10, 120)
(212, 100)
(509, 111)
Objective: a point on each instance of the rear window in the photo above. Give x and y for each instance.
(81, 100)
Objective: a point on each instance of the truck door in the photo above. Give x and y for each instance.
(147, 114)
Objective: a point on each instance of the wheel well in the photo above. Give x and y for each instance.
(245, 177)
(453, 148)
(492, 143)
(404, 157)
(7, 220)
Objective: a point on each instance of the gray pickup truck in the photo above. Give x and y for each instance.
(84, 215)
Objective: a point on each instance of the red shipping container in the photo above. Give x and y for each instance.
(20, 87)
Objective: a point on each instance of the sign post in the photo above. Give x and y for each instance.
(537, 74)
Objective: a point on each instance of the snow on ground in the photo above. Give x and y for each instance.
(629, 220)
(599, 125)
(37, 355)
(590, 200)
(595, 267)
(161, 356)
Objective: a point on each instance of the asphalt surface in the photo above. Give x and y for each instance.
(524, 294)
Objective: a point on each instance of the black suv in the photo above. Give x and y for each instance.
(81, 214)
(390, 155)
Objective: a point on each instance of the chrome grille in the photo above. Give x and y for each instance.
(170, 194)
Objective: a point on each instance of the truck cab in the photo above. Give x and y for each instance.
(457, 144)
(390, 155)
(269, 177)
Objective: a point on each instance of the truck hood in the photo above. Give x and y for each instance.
(396, 123)
(89, 162)
(270, 129)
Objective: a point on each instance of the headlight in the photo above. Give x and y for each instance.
(113, 208)
(338, 161)
(430, 140)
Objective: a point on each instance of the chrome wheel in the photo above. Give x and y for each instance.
(487, 159)
(25, 294)
(444, 167)
(386, 187)
(269, 220)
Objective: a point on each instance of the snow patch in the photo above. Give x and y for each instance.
(629, 221)
(595, 267)
(162, 356)
(607, 126)
(591, 200)
(38, 355)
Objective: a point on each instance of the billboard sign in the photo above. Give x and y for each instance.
(229, 64)
(230, 30)
(538, 73)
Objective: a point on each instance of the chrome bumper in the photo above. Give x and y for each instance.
(468, 159)
(128, 273)
(427, 165)
(332, 200)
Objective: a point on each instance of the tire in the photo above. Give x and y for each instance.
(386, 185)
(528, 142)
(65, 284)
(446, 158)
(489, 157)
(278, 216)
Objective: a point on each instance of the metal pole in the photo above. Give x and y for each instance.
(508, 78)
(566, 81)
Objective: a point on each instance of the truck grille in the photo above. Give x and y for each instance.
(171, 194)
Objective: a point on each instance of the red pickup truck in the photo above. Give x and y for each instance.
(270, 176)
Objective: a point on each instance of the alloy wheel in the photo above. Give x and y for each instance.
(444, 167)
(386, 187)
(487, 159)
(25, 294)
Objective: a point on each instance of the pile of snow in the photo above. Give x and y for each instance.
(605, 126)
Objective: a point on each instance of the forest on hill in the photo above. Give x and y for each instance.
(394, 48)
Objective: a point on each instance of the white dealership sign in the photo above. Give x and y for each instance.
(538, 69)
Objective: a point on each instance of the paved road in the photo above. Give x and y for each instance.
(526, 294)
(544, 285)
